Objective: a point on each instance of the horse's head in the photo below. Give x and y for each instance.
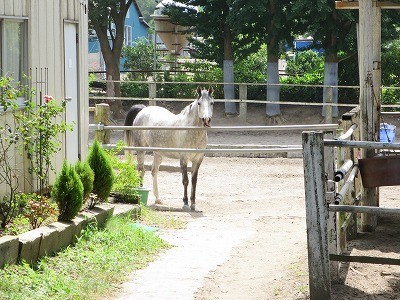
(205, 103)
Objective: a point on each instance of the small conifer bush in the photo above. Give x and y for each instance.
(86, 175)
(67, 192)
(104, 176)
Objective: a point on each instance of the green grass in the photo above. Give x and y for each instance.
(91, 269)
(160, 219)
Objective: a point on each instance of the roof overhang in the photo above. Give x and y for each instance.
(354, 4)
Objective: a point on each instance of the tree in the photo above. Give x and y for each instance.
(334, 30)
(107, 19)
(147, 8)
(271, 22)
(212, 20)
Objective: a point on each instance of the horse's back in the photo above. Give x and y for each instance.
(154, 116)
(159, 116)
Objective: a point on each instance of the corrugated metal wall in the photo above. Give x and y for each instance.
(45, 48)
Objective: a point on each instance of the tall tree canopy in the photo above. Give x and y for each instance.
(334, 30)
(212, 22)
(107, 18)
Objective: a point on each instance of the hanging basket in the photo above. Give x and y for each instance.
(380, 171)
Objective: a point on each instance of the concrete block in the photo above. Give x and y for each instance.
(121, 209)
(80, 222)
(102, 213)
(29, 245)
(56, 236)
(9, 246)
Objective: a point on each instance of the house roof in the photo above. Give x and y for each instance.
(141, 18)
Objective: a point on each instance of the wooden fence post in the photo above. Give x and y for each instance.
(328, 102)
(242, 103)
(152, 93)
(316, 216)
(102, 116)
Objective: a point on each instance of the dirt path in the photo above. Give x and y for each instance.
(249, 235)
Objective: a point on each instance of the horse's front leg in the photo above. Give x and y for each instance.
(185, 182)
(195, 172)
(154, 172)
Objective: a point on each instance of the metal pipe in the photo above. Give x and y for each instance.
(159, 149)
(339, 174)
(376, 210)
(339, 196)
(361, 144)
(327, 127)
(348, 133)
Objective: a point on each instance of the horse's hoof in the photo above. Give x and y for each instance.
(185, 208)
(158, 201)
(193, 207)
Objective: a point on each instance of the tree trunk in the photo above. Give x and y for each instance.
(273, 111)
(331, 78)
(229, 89)
(273, 91)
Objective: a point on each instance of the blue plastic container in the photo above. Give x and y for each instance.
(387, 133)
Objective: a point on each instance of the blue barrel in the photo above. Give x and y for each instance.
(387, 133)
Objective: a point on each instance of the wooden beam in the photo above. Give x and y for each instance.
(365, 259)
(354, 5)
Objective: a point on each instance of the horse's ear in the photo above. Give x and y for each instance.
(199, 91)
(210, 90)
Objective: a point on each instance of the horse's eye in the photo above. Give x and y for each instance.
(198, 102)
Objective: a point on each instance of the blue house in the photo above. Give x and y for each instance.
(135, 27)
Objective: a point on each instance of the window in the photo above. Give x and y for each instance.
(127, 35)
(12, 49)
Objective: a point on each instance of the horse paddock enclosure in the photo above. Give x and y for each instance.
(248, 238)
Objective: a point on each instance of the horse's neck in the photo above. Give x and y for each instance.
(190, 116)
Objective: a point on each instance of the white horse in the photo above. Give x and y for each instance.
(198, 113)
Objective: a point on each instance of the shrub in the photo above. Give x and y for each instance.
(104, 176)
(67, 192)
(86, 175)
(127, 177)
(38, 208)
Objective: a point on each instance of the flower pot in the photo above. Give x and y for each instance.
(143, 192)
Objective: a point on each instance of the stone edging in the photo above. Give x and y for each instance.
(47, 240)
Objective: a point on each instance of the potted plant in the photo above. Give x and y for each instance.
(127, 186)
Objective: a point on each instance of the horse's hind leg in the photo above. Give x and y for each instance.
(140, 164)
(185, 182)
(154, 172)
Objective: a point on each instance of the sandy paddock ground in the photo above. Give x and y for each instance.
(248, 238)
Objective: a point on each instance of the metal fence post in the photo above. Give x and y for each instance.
(316, 215)
(102, 116)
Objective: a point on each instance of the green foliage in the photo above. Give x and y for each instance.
(104, 176)
(139, 57)
(67, 192)
(307, 61)
(257, 63)
(390, 72)
(92, 268)
(40, 128)
(10, 140)
(86, 175)
(37, 208)
(127, 178)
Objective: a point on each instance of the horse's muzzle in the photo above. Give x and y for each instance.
(206, 122)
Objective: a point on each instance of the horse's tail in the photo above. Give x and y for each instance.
(130, 117)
